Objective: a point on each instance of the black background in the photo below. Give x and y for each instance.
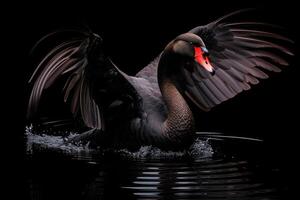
(134, 33)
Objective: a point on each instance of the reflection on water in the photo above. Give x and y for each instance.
(114, 175)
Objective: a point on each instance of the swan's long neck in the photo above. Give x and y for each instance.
(180, 120)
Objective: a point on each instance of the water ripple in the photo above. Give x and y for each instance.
(227, 179)
(148, 173)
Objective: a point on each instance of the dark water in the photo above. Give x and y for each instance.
(214, 169)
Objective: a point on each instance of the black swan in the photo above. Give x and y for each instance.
(205, 66)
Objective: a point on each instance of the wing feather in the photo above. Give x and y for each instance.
(67, 58)
(241, 53)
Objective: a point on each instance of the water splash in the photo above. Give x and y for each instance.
(200, 149)
(50, 142)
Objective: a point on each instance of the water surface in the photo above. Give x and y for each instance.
(214, 168)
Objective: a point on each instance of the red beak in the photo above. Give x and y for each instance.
(203, 60)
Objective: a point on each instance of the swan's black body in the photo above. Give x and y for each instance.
(208, 65)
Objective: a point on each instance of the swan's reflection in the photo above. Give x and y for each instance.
(114, 177)
(202, 179)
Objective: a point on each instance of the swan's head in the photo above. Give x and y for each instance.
(192, 48)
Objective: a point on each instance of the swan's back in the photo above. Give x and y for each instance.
(146, 84)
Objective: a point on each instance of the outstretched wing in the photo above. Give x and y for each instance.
(69, 58)
(240, 53)
(88, 74)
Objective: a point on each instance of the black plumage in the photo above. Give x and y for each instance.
(208, 65)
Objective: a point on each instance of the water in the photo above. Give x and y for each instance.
(213, 168)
